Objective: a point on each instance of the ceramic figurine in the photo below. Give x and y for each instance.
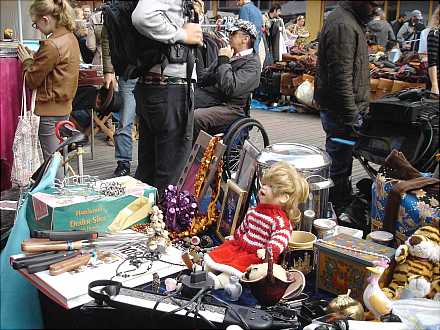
(233, 289)
(374, 298)
(417, 273)
(156, 283)
(158, 239)
(267, 225)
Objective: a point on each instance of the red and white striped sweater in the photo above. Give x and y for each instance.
(265, 225)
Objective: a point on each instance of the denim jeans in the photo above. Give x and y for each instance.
(123, 140)
(48, 140)
(342, 158)
(341, 154)
(166, 120)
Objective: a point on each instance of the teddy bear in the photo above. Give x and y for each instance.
(417, 271)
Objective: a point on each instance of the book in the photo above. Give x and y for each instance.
(70, 289)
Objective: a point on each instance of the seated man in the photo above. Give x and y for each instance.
(224, 87)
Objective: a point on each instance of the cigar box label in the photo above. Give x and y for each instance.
(337, 275)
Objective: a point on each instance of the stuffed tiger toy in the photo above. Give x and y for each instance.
(417, 272)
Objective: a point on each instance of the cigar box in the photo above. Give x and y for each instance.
(90, 210)
(340, 264)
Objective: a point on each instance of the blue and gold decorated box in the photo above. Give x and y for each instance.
(341, 262)
(417, 209)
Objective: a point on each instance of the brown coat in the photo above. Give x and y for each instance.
(106, 58)
(54, 73)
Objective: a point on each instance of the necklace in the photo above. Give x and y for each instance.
(356, 250)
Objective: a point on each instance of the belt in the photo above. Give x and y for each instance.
(157, 79)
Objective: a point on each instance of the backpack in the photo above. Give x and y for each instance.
(132, 53)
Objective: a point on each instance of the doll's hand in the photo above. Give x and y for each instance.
(261, 253)
(229, 238)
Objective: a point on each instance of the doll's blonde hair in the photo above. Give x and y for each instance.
(284, 178)
(60, 9)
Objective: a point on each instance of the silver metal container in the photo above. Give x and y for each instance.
(312, 162)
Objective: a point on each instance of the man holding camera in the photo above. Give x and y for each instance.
(163, 97)
(225, 86)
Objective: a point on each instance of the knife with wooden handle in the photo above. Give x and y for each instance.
(75, 235)
(44, 265)
(68, 265)
(43, 245)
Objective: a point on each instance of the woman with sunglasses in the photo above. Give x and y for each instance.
(53, 70)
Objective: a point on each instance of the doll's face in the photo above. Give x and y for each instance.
(267, 196)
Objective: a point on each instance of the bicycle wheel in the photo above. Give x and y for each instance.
(245, 129)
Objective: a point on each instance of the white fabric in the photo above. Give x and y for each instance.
(282, 47)
(243, 53)
(423, 44)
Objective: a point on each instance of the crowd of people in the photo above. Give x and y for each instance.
(173, 104)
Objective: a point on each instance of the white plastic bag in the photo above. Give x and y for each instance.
(418, 313)
(304, 93)
(26, 146)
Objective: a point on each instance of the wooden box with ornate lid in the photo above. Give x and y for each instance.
(341, 262)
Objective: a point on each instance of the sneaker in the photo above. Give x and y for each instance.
(122, 169)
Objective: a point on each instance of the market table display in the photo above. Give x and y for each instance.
(156, 266)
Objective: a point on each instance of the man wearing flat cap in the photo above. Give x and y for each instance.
(410, 31)
(225, 86)
(342, 87)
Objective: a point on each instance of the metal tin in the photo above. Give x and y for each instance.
(313, 162)
(341, 264)
(308, 159)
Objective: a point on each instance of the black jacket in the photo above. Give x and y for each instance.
(228, 82)
(382, 31)
(342, 80)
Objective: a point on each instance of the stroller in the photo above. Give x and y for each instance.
(407, 121)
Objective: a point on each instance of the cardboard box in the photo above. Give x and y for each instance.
(340, 269)
(50, 210)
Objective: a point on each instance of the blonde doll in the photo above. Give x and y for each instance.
(269, 224)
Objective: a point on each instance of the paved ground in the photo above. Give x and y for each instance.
(281, 127)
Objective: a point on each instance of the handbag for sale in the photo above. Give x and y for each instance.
(26, 146)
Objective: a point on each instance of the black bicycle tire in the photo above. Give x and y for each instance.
(233, 134)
